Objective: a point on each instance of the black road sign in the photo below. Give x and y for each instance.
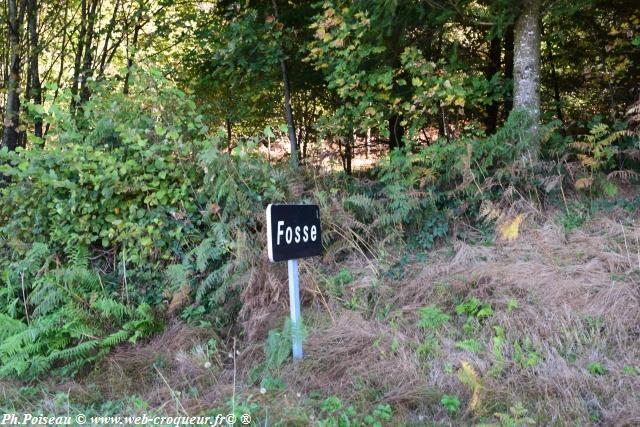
(293, 231)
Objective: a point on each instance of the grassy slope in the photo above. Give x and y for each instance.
(543, 330)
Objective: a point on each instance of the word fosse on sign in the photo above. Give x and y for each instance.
(293, 232)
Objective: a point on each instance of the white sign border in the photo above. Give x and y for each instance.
(269, 240)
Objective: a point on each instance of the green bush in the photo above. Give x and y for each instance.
(119, 175)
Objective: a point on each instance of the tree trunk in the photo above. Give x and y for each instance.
(554, 80)
(34, 60)
(77, 63)
(229, 130)
(15, 17)
(287, 104)
(367, 143)
(107, 39)
(62, 56)
(127, 77)
(87, 70)
(289, 112)
(508, 70)
(348, 153)
(396, 132)
(493, 67)
(526, 67)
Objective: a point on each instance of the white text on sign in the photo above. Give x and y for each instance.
(289, 232)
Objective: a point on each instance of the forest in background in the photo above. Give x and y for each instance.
(143, 139)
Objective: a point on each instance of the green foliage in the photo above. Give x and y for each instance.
(596, 368)
(120, 175)
(474, 308)
(525, 355)
(574, 216)
(472, 345)
(497, 343)
(432, 318)
(336, 284)
(596, 154)
(377, 75)
(140, 181)
(223, 45)
(516, 417)
(277, 349)
(62, 318)
(334, 414)
(450, 403)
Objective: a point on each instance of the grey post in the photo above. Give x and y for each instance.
(294, 304)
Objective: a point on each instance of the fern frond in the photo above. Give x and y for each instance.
(115, 338)
(10, 326)
(78, 257)
(111, 309)
(45, 297)
(176, 275)
(75, 352)
(624, 175)
(202, 254)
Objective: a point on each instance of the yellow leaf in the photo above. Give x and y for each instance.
(509, 231)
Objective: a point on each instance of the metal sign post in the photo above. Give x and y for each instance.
(293, 232)
(294, 304)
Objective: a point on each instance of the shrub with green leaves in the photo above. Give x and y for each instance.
(450, 403)
(117, 173)
(141, 182)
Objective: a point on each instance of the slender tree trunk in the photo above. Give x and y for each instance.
(77, 64)
(87, 66)
(526, 67)
(228, 135)
(554, 82)
(508, 70)
(493, 67)
(396, 132)
(105, 50)
(15, 18)
(34, 61)
(556, 88)
(367, 143)
(130, 56)
(442, 123)
(305, 142)
(348, 152)
(62, 56)
(287, 104)
(300, 140)
(289, 112)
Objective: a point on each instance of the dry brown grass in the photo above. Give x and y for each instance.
(578, 297)
(173, 361)
(578, 302)
(353, 353)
